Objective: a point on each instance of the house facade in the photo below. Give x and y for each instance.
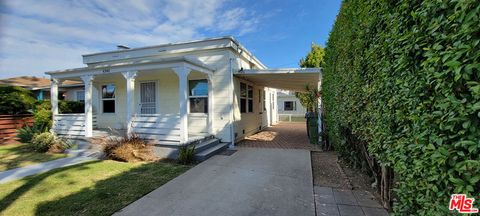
(289, 107)
(175, 93)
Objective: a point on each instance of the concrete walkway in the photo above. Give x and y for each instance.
(252, 181)
(79, 155)
(332, 202)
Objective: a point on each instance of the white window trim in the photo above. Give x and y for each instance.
(137, 109)
(200, 96)
(293, 106)
(247, 98)
(114, 99)
(76, 95)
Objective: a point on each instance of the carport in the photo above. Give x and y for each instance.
(293, 79)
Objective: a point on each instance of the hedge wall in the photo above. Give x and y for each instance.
(402, 77)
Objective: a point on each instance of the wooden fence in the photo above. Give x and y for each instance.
(9, 124)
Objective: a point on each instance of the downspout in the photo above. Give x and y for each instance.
(232, 115)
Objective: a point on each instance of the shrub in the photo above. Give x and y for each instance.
(129, 149)
(401, 80)
(60, 145)
(42, 142)
(46, 141)
(71, 107)
(42, 114)
(186, 154)
(26, 133)
(15, 100)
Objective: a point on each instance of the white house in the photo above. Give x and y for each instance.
(289, 107)
(175, 93)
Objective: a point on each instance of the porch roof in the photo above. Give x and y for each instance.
(294, 79)
(132, 65)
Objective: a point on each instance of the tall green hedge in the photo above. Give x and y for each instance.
(404, 77)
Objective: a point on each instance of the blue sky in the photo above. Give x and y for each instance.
(52, 35)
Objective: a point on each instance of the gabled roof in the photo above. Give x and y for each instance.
(34, 83)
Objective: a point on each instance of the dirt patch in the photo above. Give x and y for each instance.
(358, 179)
(327, 172)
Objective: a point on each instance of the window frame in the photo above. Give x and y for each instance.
(248, 97)
(293, 108)
(76, 96)
(197, 96)
(108, 99)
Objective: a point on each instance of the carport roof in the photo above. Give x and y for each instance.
(294, 79)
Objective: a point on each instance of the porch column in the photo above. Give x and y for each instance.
(182, 73)
(210, 104)
(54, 96)
(130, 78)
(88, 82)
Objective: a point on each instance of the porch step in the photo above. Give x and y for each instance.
(210, 151)
(206, 144)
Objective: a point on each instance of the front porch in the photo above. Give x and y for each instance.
(168, 102)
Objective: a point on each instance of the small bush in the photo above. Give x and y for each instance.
(42, 142)
(186, 154)
(129, 149)
(46, 141)
(60, 145)
(26, 133)
(42, 114)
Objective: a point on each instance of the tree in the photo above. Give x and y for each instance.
(15, 100)
(314, 59)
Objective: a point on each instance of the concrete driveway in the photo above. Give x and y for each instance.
(252, 181)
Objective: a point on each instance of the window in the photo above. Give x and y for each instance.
(246, 98)
(80, 96)
(198, 95)
(108, 98)
(289, 105)
(264, 101)
(250, 99)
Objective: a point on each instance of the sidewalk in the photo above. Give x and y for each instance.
(76, 156)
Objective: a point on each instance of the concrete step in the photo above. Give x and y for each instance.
(206, 144)
(209, 152)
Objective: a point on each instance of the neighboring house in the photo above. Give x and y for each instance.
(40, 87)
(178, 92)
(289, 107)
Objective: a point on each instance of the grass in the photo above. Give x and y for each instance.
(91, 188)
(20, 155)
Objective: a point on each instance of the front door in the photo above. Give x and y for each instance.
(148, 98)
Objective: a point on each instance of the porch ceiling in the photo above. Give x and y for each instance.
(294, 79)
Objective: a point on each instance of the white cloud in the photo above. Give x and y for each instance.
(37, 37)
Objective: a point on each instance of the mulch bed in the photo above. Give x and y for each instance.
(327, 172)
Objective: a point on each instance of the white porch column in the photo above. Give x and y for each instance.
(182, 73)
(54, 96)
(88, 82)
(210, 104)
(130, 78)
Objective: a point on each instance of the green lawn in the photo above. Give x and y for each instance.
(20, 155)
(91, 188)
